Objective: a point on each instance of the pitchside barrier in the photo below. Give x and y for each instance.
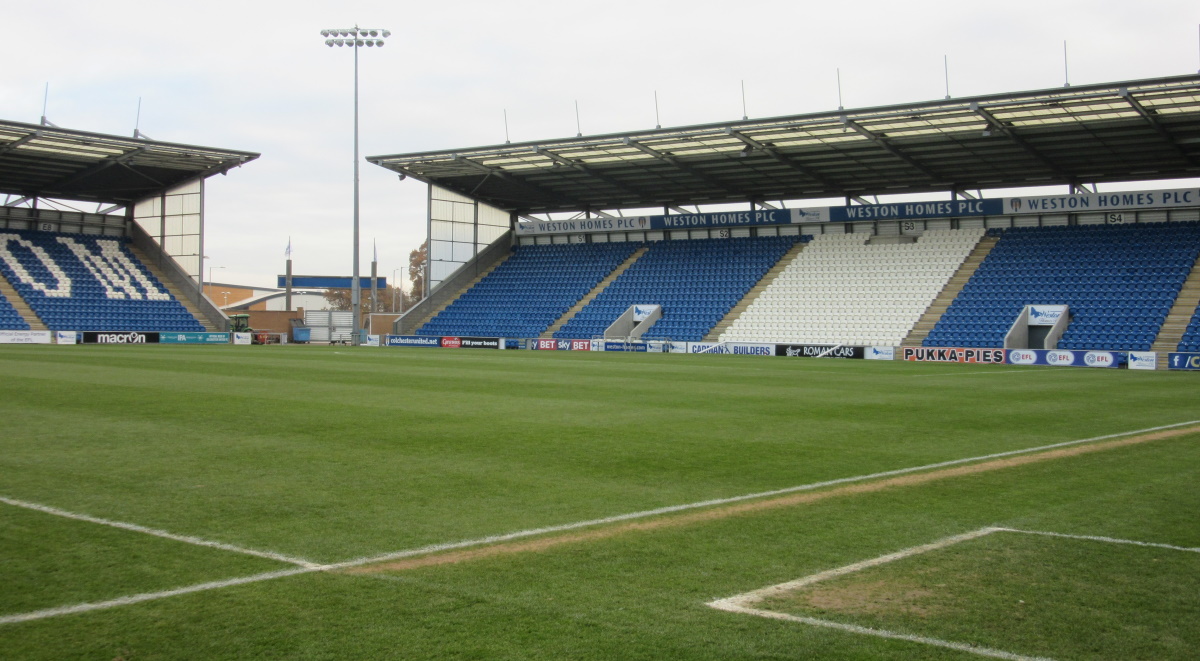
(112, 337)
(1141, 360)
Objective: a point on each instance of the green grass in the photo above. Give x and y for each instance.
(1078, 599)
(332, 454)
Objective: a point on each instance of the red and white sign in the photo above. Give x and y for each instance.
(451, 342)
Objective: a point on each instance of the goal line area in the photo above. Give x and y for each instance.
(903, 597)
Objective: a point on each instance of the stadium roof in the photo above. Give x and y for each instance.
(1129, 131)
(50, 162)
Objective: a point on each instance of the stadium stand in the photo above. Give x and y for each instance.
(10, 319)
(697, 282)
(84, 282)
(1191, 336)
(1119, 281)
(844, 290)
(529, 291)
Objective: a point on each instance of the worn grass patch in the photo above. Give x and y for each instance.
(1029, 594)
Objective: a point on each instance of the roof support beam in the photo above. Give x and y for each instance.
(889, 148)
(682, 166)
(117, 159)
(564, 161)
(1158, 127)
(774, 153)
(996, 125)
(17, 143)
(508, 176)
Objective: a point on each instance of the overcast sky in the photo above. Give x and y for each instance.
(256, 76)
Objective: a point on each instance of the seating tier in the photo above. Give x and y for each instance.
(83, 282)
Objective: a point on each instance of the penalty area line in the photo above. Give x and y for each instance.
(672, 509)
(746, 603)
(133, 527)
(151, 596)
(306, 567)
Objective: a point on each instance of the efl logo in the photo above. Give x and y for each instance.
(1098, 359)
(451, 343)
(1019, 357)
(1060, 358)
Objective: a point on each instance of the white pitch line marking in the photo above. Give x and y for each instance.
(727, 501)
(150, 596)
(309, 567)
(1107, 540)
(133, 527)
(744, 603)
(882, 633)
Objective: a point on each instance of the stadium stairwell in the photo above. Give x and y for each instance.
(562, 321)
(955, 285)
(19, 304)
(757, 289)
(1175, 325)
(433, 312)
(173, 288)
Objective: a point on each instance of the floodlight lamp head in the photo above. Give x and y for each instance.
(379, 42)
(359, 42)
(373, 33)
(370, 42)
(329, 42)
(324, 33)
(386, 34)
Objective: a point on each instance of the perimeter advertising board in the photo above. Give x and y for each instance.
(471, 342)
(99, 337)
(880, 353)
(953, 355)
(24, 337)
(545, 344)
(733, 348)
(1143, 360)
(1064, 358)
(413, 341)
(617, 345)
(1183, 361)
(193, 338)
(819, 351)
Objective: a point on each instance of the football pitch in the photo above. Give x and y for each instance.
(304, 502)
